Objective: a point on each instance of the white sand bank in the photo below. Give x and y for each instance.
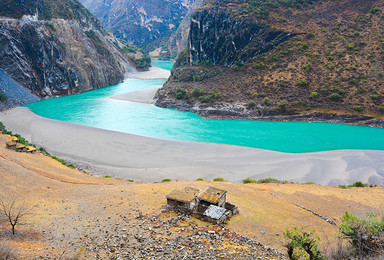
(152, 73)
(148, 159)
(140, 96)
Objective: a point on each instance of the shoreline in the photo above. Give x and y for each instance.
(146, 159)
(239, 112)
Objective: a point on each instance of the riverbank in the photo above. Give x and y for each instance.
(229, 111)
(122, 155)
(72, 212)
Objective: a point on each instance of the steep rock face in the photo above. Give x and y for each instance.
(65, 54)
(140, 22)
(219, 38)
(178, 41)
(249, 59)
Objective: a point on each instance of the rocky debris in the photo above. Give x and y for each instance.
(162, 237)
(15, 94)
(240, 111)
(330, 221)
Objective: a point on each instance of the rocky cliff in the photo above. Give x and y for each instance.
(57, 48)
(147, 24)
(170, 47)
(262, 59)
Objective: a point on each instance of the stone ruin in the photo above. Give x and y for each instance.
(208, 205)
(14, 144)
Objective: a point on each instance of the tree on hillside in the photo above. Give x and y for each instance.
(13, 211)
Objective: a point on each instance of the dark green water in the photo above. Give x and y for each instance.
(96, 109)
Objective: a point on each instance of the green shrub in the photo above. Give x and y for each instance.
(267, 100)
(283, 105)
(374, 10)
(218, 95)
(341, 92)
(250, 104)
(313, 94)
(196, 91)
(302, 83)
(259, 66)
(107, 176)
(218, 179)
(270, 180)
(166, 180)
(179, 95)
(343, 186)
(334, 96)
(3, 97)
(358, 184)
(303, 244)
(204, 99)
(374, 97)
(200, 179)
(262, 94)
(255, 95)
(42, 149)
(358, 108)
(304, 45)
(130, 180)
(366, 234)
(249, 180)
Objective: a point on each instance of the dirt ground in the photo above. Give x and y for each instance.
(75, 213)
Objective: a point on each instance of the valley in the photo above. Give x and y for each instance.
(276, 103)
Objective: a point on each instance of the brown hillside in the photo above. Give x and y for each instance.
(335, 64)
(74, 212)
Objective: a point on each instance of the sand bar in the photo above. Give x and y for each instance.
(152, 73)
(148, 159)
(141, 96)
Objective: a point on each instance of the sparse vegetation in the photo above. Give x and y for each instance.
(3, 97)
(166, 180)
(356, 184)
(6, 251)
(218, 179)
(270, 180)
(334, 62)
(250, 104)
(13, 211)
(303, 244)
(365, 234)
(334, 96)
(249, 180)
(70, 165)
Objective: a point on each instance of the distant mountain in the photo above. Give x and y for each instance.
(143, 23)
(260, 59)
(58, 48)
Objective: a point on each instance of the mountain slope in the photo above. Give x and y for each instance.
(142, 23)
(57, 48)
(266, 58)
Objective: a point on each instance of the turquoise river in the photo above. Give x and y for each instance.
(96, 108)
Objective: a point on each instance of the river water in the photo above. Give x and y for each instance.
(96, 108)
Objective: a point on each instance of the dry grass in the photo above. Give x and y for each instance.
(66, 204)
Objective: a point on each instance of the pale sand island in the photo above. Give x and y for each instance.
(146, 159)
